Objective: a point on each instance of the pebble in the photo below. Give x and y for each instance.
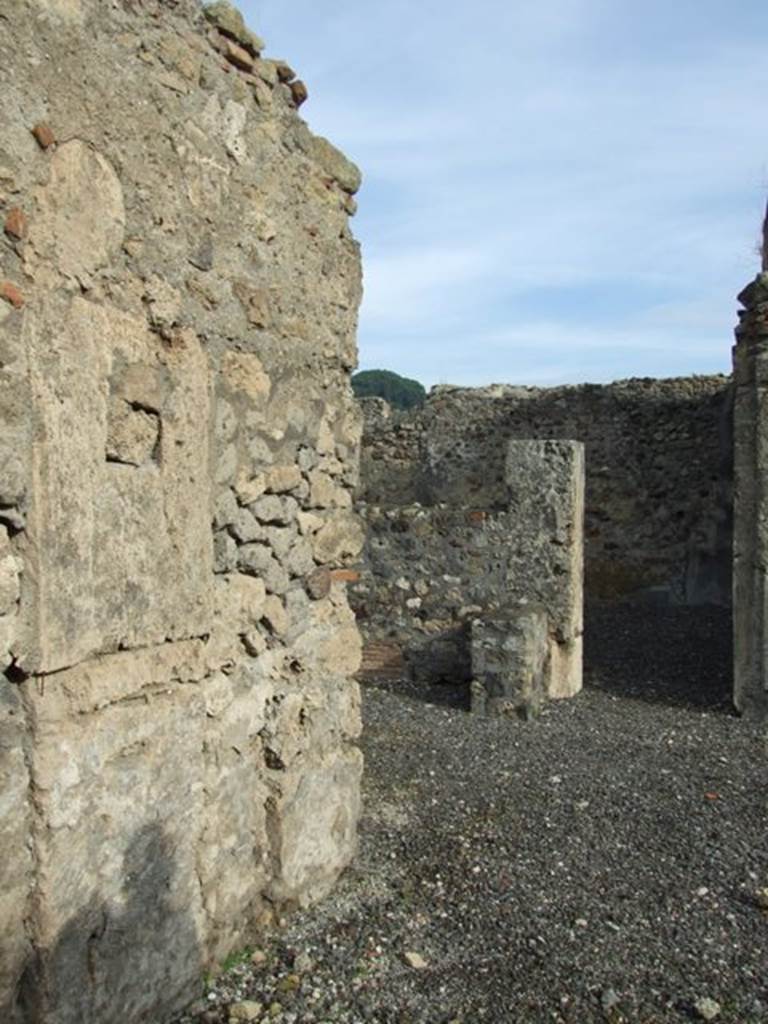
(609, 999)
(303, 963)
(415, 960)
(247, 1010)
(707, 1008)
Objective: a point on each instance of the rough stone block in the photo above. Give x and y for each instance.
(510, 663)
(313, 821)
(16, 865)
(545, 482)
(120, 511)
(119, 785)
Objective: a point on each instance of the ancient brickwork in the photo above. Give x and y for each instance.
(750, 540)
(178, 299)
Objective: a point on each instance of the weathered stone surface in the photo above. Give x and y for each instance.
(16, 223)
(546, 557)
(122, 550)
(16, 864)
(337, 165)
(340, 538)
(322, 799)
(80, 218)
(177, 319)
(120, 788)
(510, 671)
(228, 19)
(240, 601)
(750, 540)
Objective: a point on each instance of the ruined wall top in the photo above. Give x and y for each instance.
(658, 457)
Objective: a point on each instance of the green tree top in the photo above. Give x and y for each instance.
(400, 392)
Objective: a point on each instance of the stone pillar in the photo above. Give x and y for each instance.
(545, 481)
(510, 663)
(750, 541)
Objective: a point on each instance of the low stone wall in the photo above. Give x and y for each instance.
(178, 297)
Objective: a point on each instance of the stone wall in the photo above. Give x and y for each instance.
(658, 464)
(429, 571)
(435, 498)
(750, 540)
(178, 300)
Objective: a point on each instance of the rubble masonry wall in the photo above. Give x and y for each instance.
(750, 539)
(178, 298)
(433, 494)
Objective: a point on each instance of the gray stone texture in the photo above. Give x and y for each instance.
(750, 540)
(178, 297)
(510, 658)
(545, 551)
(430, 570)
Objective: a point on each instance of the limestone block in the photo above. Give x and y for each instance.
(119, 522)
(545, 486)
(281, 479)
(510, 671)
(336, 165)
(16, 861)
(244, 373)
(233, 857)
(229, 20)
(340, 538)
(119, 784)
(313, 826)
(80, 217)
(239, 601)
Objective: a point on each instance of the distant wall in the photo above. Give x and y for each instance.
(658, 463)
(658, 503)
(178, 298)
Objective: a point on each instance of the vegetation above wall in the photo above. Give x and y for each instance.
(401, 392)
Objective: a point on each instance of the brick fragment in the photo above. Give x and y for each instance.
(16, 223)
(12, 294)
(44, 135)
(299, 92)
(345, 575)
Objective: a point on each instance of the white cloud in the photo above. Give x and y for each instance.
(524, 161)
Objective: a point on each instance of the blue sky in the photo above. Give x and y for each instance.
(555, 190)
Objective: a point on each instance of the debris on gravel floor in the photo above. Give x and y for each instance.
(604, 863)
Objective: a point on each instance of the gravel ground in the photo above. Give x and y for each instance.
(606, 862)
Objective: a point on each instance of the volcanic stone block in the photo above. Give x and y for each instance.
(510, 662)
(545, 481)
